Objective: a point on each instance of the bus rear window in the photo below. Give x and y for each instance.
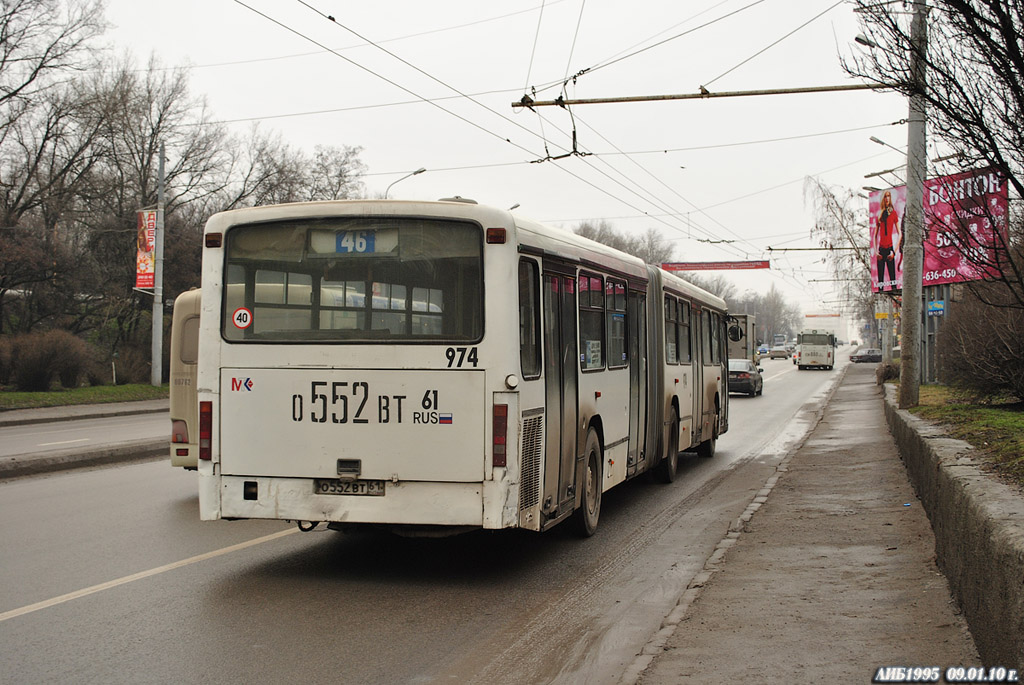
(354, 279)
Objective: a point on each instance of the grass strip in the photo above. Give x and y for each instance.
(100, 394)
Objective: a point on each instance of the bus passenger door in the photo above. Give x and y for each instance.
(636, 340)
(560, 368)
(697, 373)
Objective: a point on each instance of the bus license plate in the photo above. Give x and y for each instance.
(371, 488)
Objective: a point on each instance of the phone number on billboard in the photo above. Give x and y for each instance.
(936, 275)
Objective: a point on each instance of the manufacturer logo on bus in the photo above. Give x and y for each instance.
(238, 384)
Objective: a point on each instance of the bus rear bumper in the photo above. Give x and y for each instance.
(404, 502)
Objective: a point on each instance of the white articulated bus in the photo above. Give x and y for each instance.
(441, 366)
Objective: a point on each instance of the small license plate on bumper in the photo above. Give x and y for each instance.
(366, 488)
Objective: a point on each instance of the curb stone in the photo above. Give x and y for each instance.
(979, 532)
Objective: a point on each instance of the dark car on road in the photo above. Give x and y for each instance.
(745, 376)
(868, 354)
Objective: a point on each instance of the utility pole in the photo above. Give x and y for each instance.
(156, 375)
(913, 220)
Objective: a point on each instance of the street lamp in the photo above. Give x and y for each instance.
(414, 173)
(887, 171)
(882, 142)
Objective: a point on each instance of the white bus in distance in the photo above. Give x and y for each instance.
(816, 349)
(358, 364)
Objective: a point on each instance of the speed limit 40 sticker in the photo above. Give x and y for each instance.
(242, 318)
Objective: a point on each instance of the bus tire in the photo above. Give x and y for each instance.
(706, 449)
(665, 471)
(585, 518)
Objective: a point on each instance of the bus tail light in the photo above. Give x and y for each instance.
(499, 429)
(205, 430)
(179, 435)
(179, 431)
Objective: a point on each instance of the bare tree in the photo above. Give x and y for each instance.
(263, 170)
(333, 173)
(975, 97)
(840, 226)
(47, 155)
(602, 232)
(717, 284)
(989, 369)
(41, 40)
(776, 315)
(650, 246)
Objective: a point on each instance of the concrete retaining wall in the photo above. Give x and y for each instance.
(979, 533)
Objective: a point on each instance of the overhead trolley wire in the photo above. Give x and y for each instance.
(773, 44)
(456, 90)
(413, 93)
(461, 118)
(353, 47)
(533, 52)
(421, 71)
(380, 76)
(616, 60)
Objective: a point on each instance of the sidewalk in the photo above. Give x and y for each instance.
(56, 460)
(829, 575)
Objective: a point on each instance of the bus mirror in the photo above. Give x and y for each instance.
(735, 333)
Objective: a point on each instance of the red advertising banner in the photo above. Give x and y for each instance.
(145, 276)
(965, 220)
(965, 215)
(715, 266)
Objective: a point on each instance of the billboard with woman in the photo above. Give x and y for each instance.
(887, 209)
(965, 229)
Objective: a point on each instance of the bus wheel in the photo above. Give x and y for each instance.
(586, 516)
(665, 471)
(706, 449)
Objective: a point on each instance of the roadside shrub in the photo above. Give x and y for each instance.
(34, 360)
(887, 371)
(6, 355)
(72, 357)
(133, 365)
(981, 346)
(97, 368)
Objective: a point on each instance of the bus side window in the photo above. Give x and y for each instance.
(707, 337)
(529, 319)
(591, 304)
(189, 353)
(615, 305)
(716, 338)
(683, 352)
(671, 332)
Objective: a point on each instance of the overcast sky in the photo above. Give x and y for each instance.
(699, 171)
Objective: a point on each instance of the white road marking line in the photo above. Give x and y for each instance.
(62, 442)
(45, 604)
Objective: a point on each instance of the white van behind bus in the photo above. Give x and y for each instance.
(184, 355)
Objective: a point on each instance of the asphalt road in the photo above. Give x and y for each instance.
(109, 576)
(82, 433)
